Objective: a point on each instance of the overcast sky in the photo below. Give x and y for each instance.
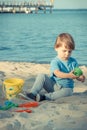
(70, 4)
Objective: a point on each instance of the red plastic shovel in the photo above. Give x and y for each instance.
(29, 104)
(25, 110)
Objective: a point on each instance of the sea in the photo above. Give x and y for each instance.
(31, 37)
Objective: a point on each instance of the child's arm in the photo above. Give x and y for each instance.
(60, 74)
(70, 75)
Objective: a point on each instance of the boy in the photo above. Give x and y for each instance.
(61, 81)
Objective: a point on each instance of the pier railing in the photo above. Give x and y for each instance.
(24, 7)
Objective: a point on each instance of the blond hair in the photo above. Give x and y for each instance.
(66, 39)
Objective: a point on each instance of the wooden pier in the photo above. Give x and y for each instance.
(25, 7)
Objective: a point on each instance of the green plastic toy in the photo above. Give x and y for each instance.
(8, 105)
(78, 71)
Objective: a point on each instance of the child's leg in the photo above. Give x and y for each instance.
(62, 92)
(42, 81)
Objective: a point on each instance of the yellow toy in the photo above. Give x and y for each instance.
(12, 87)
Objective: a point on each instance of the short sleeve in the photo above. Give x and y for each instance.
(54, 65)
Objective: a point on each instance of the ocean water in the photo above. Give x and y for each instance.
(31, 37)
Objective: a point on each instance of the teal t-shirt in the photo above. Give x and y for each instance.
(63, 66)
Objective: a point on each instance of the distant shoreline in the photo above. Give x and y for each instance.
(41, 11)
(33, 62)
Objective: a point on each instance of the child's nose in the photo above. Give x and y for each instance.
(67, 53)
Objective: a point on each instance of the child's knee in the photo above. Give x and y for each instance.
(42, 76)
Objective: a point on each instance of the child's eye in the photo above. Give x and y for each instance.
(70, 51)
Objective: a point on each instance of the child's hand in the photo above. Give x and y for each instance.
(72, 76)
(81, 78)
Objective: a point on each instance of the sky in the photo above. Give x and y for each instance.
(70, 4)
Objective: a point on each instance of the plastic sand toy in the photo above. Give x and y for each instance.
(78, 72)
(12, 87)
(25, 110)
(8, 105)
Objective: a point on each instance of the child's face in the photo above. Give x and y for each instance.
(63, 52)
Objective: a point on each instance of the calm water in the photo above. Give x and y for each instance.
(31, 37)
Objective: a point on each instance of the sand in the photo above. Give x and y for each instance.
(67, 113)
